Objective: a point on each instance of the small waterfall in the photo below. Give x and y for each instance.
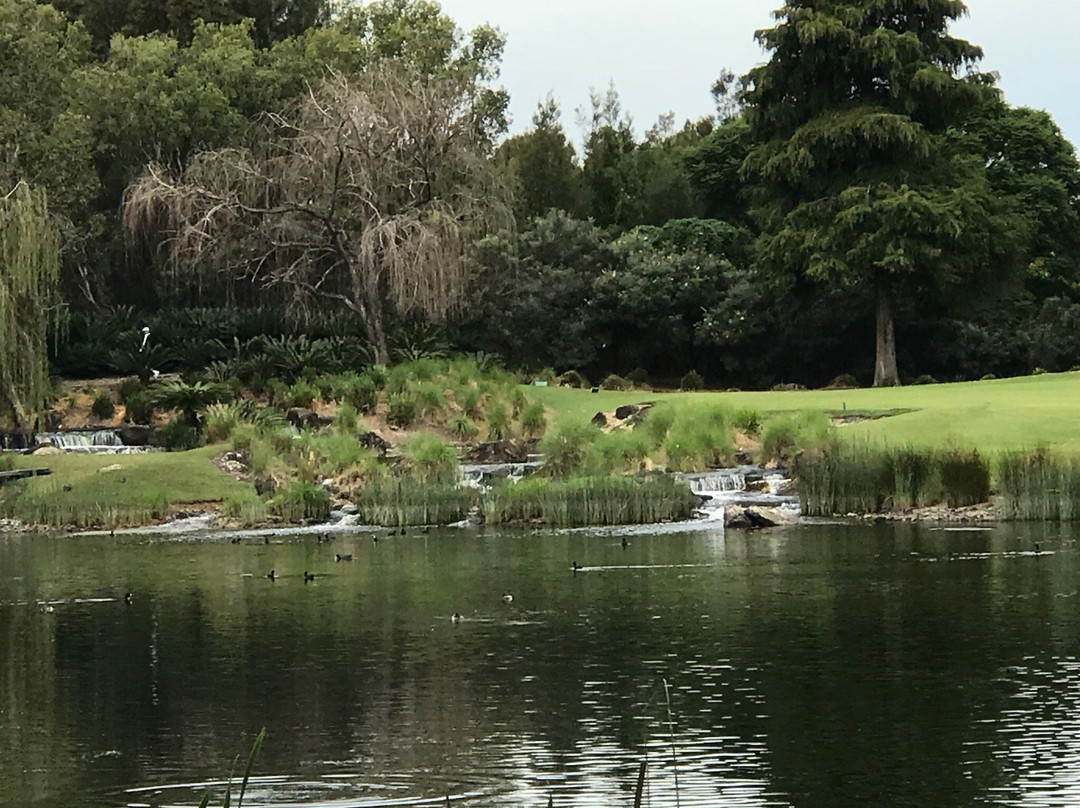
(727, 481)
(480, 475)
(98, 441)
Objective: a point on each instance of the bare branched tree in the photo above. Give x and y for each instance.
(367, 192)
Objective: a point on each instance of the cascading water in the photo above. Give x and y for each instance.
(481, 475)
(98, 441)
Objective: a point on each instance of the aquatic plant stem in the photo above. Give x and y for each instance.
(671, 729)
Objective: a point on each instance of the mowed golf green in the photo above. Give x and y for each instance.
(991, 416)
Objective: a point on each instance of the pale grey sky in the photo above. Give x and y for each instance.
(664, 54)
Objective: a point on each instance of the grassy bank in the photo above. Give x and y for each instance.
(142, 490)
(992, 416)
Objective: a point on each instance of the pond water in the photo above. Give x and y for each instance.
(820, 665)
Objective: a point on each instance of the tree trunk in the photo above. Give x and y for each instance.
(885, 373)
(365, 301)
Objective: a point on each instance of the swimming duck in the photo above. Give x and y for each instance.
(127, 598)
(271, 575)
(308, 576)
(508, 598)
(342, 556)
(575, 567)
(457, 617)
(625, 543)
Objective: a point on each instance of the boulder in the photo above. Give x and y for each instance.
(303, 418)
(375, 442)
(752, 518)
(136, 434)
(600, 419)
(501, 451)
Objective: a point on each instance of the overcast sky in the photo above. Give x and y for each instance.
(664, 54)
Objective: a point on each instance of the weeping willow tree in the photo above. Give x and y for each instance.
(366, 193)
(29, 303)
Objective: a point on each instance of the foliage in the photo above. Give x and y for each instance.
(375, 218)
(429, 459)
(565, 448)
(589, 501)
(402, 410)
(462, 427)
(534, 419)
(1038, 486)
(189, 399)
(402, 502)
(858, 178)
(300, 501)
(614, 382)
(864, 479)
(179, 435)
(29, 301)
(103, 406)
(692, 381)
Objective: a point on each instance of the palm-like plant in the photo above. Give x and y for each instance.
(189, 399)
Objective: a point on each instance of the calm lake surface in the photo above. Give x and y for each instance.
(823, 665)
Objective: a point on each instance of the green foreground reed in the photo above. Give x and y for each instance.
(841, 479)
(404, 502)
(590, 501)
(1036, 486)
(81, 508)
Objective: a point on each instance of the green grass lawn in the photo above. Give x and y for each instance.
(991, 416)
(144, 482)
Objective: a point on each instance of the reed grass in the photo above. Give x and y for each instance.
(430, 459)
(85, 508)
(301, 501)
(843, 478)
(588, 501)
(406, 502)
(1037, 486)
(244, 508)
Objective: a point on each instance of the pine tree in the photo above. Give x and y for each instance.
(855, 173)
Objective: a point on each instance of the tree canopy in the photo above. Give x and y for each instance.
(29, 303)
(854, 171)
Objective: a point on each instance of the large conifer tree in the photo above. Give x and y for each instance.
(855, 176)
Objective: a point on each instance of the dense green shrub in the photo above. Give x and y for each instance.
(614, 382)
(565, 448)
(638, 377)
(575, 379)
(534, 419)
(103, 406)
(131, 386)
(179, 435)
(402, 410)
(692, 381)
(138, 409)
(462, 427)
(498, 423)
(429, 459)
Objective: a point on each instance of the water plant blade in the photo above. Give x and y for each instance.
(255, 747)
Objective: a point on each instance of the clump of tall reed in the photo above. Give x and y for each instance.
(301, 501)
(82, 508)
(405, 502)
(842, 478)
(1036, 486)
(586, 501)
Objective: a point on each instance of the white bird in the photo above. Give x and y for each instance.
(145, 337)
